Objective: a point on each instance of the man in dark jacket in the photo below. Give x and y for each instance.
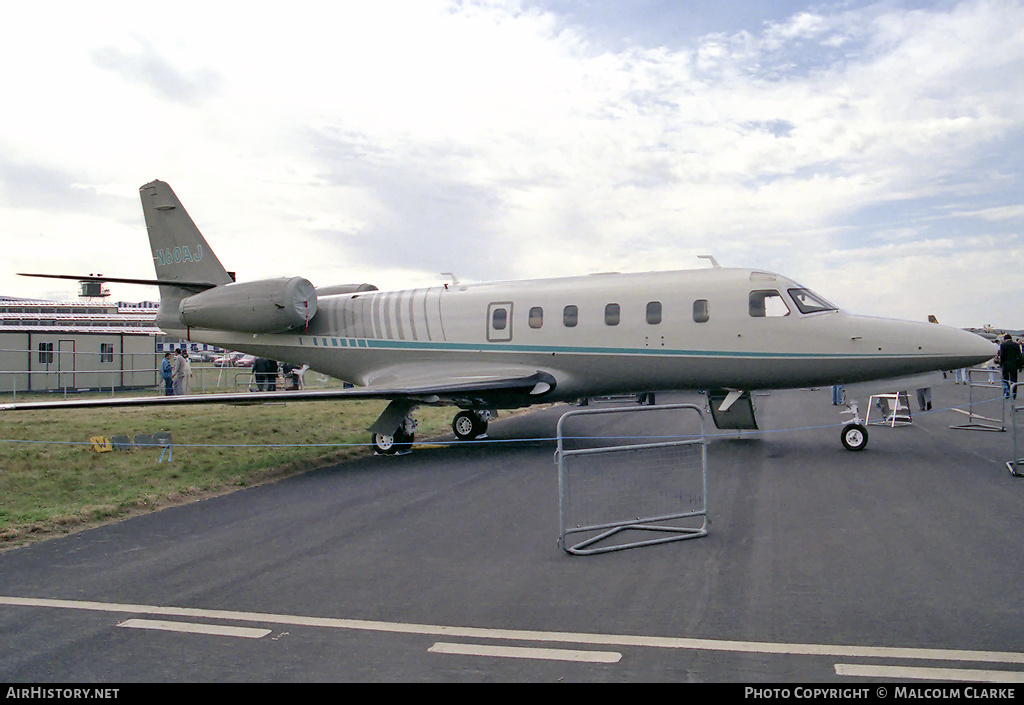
(270, 375)
(1010, 360)
(259, 371)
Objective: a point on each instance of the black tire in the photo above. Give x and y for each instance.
(467, 425)
(383, 444)
(403, 442)
(854, 437)
(387, 444)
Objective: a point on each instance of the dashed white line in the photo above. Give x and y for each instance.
(194, 628)
(525, 652)
(759, 647)
(969, 675)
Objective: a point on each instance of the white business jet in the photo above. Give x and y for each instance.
(501, 345)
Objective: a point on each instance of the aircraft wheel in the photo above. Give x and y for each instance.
(391, 444)
(468, 424)
(383, 443)
(855, 437)
(403, 442)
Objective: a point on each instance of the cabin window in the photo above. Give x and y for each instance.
(654, 312)
(570, 316)
(700, 311)
(106, 352)
(809, 302)
(767, 303)
(611, 315)
(46, 353)
(536, 317)
(499, 319)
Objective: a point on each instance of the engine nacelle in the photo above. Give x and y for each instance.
(266, 306)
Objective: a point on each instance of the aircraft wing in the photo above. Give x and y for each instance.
(426, 385)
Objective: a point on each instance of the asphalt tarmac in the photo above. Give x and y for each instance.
(897, 563)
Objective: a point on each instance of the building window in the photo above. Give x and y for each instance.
(46, 353)
(570, 316)
(106, 353)
(654, 312)
(611, 315)
(536, 317)
(700, 311)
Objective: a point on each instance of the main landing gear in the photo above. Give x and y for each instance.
(397, 443)
(470, 424)
(466, 425)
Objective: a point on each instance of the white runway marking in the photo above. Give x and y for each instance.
(929, 674)
(662, 642)
(525, 652)
(193, 628)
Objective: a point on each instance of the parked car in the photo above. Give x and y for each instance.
(228, 359)
(245, 361)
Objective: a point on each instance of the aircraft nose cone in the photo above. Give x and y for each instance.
(973, 349)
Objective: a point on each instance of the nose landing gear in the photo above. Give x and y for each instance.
(855, 433)
(854, 437)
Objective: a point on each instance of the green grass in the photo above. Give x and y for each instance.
(52, 482)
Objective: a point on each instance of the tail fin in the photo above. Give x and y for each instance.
(180, 252)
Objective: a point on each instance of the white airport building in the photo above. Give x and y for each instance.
(80, 345)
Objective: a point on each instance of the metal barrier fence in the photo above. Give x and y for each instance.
(1017, 461)
(204, 379)
(654, 485)
(975, 421)
(64, 381)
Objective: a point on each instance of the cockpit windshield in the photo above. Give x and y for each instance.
(809, 302)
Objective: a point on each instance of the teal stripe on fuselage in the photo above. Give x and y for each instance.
(369, 343)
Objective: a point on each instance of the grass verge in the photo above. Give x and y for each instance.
(53, 483)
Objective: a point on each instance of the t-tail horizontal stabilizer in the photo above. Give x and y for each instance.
(194, 286)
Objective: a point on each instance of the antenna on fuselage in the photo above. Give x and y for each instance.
(714, 262)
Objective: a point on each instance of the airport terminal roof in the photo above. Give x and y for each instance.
(19, 315)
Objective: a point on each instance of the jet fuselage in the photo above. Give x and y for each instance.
(614, 333)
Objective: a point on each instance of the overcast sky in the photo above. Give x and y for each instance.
(873, 151)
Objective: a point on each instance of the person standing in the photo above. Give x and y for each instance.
(1010, 360)
(838, 395)
(178, 371)
(167, 373)
(259, 371)
(186, 373)
(271, 370)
